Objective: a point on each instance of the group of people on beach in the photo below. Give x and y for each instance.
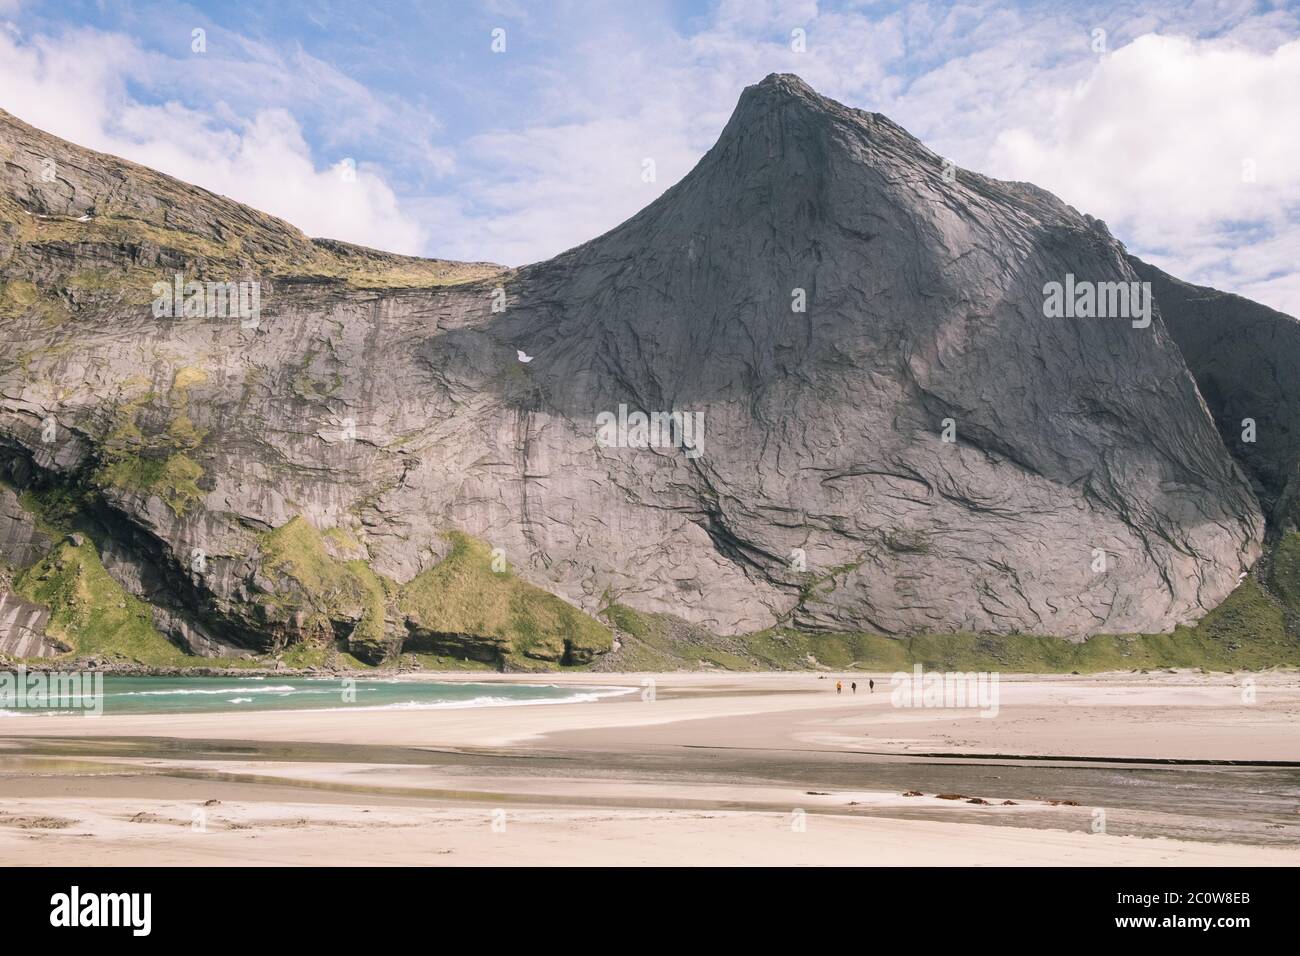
(839, 686)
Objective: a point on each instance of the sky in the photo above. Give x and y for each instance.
(508, 131)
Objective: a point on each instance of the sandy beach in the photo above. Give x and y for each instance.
(698, 768)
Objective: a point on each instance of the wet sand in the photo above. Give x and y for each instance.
(709, 768)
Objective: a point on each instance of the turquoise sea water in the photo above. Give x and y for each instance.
(188, 695)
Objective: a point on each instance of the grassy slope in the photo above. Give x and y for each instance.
(90, 611)
(463, 594)
(325, 586)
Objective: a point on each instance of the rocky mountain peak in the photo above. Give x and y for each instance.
(797, 104)
(893, 435)
(783, 94)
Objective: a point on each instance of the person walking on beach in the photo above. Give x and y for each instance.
(854, 687)
(871, 684)
(839, 686)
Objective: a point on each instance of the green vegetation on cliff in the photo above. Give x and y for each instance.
(173, 479)
(326, 590)
(1284, 572)
(460, 610)
(662, 642)
(17, 296)
(465, 595)
(90, 612)
(156, 463)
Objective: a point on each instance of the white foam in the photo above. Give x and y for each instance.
(179, 692)
(484, 701)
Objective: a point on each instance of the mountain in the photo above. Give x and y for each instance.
(878, 427)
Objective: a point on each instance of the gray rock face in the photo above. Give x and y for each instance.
(1246, 361)
(21, 542)
(817, 289)
(22, 628)
(924, 302)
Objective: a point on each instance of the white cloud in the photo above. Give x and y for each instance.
(76, 86)
(1177, 143)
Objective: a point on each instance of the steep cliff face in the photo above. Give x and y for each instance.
(1246, 360)
(824, 428)
(887, 433)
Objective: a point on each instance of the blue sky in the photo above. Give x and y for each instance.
(397, 125)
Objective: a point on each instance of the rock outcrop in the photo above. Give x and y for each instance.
(22, 629)
(21, 542)
(887, 433)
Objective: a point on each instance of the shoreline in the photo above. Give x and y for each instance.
(708, 768)
(387, 672)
